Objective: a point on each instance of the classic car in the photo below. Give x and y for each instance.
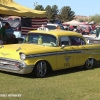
(46, 50)
(92, 38)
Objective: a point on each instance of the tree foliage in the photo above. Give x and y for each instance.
(95, 18)
(48, 10)
(39, 7)
(51, 11)
(66, 14)
(54, 11)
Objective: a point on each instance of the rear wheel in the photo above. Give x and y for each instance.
(89, 63)
(40, 69)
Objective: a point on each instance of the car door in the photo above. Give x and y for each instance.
(85, 51)
(78, 45)
(64, 56)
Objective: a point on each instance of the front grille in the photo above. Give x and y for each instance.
(10, 64)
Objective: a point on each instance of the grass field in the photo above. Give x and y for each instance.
(69, 84)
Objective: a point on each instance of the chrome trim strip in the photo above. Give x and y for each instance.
(53, 53)
(60, 53)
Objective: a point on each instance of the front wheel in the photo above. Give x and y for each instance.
(89, 63)
(40, 69)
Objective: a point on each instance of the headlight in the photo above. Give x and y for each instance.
(22, 56)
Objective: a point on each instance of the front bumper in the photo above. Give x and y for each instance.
(15, 66)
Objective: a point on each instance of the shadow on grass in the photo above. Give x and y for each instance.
(72, 70)
(55, 73)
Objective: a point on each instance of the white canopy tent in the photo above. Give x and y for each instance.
(73, 22)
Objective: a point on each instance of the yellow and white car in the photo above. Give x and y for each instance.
(46, 50)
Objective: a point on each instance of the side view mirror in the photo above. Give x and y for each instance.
(88, 41)
(62, 46)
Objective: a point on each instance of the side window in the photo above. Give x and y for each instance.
(64, 40)
(75, 40)
(83, 42)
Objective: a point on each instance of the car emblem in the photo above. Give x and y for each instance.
(67, 59)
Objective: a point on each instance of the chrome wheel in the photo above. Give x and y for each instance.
(89, 63)
(41, 69)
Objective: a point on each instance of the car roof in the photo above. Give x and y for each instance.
(97, 26)
(57, 32)
(51, 24)
(12, 23)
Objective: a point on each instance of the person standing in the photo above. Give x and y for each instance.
(58, 27)
(98, 32)
(3, 32)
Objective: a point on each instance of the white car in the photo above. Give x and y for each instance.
(52, 26)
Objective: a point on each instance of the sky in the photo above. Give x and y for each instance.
(80, 7)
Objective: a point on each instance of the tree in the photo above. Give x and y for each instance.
(39, 7)
(66, 14)
(51, 12)
(48, 10)
(54, 11)
(95, 18)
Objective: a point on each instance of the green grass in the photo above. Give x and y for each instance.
(69, 84)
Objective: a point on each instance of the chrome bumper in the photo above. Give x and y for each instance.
(15, 66)
(22, 70)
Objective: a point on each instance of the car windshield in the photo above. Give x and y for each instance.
(3, 24)
(41, 39)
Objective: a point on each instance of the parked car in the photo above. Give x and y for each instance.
(46, 50)
(52, 26)
(14, 29)
(10, 30)
(15, 24)
(94, 32)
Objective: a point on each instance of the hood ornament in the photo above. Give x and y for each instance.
(18, 49)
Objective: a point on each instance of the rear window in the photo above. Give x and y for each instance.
(51, 27)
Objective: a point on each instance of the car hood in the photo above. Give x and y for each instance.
(13, 50)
